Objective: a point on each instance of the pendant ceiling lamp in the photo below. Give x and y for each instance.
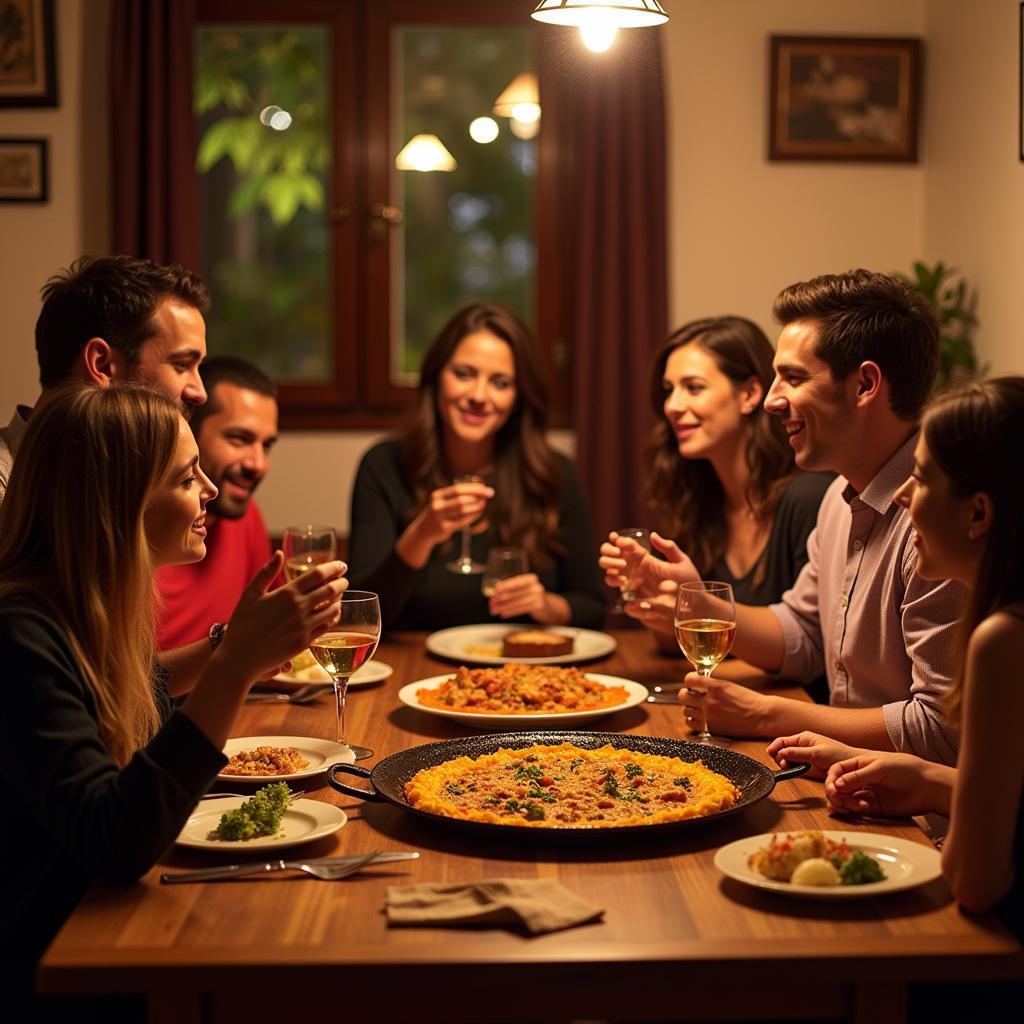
(425, 153)
(520, 99)
(617, 13)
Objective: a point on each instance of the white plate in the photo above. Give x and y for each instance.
(320, 754)
(303, 822)
(368, 674)
(636, 694)
(458, 642)
(906, 864)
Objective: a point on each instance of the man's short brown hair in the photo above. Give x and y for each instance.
(108, 297)
(867, 316)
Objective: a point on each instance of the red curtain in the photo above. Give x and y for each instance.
(153, 134)
(620, 297)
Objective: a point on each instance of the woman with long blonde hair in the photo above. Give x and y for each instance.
(100, 773)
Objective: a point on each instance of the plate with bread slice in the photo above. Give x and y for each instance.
(496, 644)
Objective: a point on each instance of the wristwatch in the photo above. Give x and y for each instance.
(216, 634)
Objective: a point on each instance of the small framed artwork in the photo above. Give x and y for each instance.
(28, 56)
(23, 171)
(844, 98)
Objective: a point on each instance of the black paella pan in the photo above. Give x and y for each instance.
(388, 777)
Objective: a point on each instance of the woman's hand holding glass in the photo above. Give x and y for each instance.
(623, 559)
(268, 627)
(451, 509)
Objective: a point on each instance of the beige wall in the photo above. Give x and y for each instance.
(740, 227)
(37, 239)
(974, 185)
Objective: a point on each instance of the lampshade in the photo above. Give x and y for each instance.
(520, 99)
(620, 13)
(425, 153)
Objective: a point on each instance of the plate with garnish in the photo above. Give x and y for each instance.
(829, 865)
(302, 822)
(280, 758)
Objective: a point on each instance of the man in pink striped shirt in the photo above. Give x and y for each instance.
(854, 365)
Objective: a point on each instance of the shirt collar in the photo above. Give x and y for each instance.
(881, 491)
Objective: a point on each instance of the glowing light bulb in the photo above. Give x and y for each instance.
(526, 113)
(598, 32)
(483, 129)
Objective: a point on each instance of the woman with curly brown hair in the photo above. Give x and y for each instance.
(721, 473)
(481, 412)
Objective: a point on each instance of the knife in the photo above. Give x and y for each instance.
(259, 867)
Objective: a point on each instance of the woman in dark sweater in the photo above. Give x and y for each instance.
(481, 412)
(99, 773)
(721, 472)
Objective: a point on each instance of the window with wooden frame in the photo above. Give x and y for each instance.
(330, 266)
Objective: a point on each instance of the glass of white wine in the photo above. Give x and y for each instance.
(464, 564)
(307, 546)
(705, 628)
(503, 563)
(348, 645)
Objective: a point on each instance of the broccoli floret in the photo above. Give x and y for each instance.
(860, 869)
(260, 815)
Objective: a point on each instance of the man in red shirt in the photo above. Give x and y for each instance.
(235, 431)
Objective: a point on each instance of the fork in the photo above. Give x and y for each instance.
(327, 871)
(303, 695)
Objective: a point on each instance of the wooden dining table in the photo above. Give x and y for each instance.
(677, 940)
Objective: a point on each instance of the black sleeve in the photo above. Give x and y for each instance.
(112, 822)
(579, 579)
(379, 503)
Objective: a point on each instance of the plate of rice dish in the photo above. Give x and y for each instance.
(280, 758)
(517, 696)
(817, 864)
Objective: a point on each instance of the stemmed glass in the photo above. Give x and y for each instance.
(306, 546)
(641, 536)
(503, 563)
(705, 627)
(349, 644)
(464, 564)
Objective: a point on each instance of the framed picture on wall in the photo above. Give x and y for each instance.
(844, 98)
(28, 56)
(23, 171)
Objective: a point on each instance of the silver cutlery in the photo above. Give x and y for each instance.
(328, 869)
(303, 695)
(662, 698)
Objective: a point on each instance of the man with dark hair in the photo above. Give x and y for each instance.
(855, 362)
(235, 432)
(112, 318)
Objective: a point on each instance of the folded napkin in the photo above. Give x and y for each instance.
(538, 904)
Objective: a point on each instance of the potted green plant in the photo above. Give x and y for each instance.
(953, 303)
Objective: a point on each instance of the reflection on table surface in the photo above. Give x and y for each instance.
(677, 941)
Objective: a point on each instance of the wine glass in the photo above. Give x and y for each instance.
(705, 627)
(464, 564)
(501, 564)
(641, 536)
(306, 546)
(349, 644)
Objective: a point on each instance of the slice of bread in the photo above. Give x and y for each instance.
(535, 643)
